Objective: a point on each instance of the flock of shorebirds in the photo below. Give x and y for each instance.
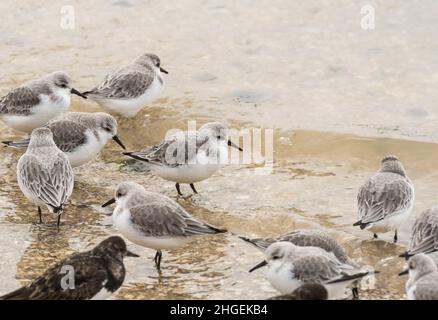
(302, 264)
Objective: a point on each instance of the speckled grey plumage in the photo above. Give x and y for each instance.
(166, 152)
(21, 100)
(306, 238)
(424, 233)
(44, 171)
(387, 193)
(126, 82)
(69, 129)
(157, 215)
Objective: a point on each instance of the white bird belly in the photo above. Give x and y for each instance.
(41, 114)
(103, 294)
(86, 152)
(128, 230)
(186, 173)
(130, 107)
(391, 223)
(283, 280)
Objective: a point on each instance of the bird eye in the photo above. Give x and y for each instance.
(119, 194)
(63, 85)
(107, 129)
(158, 64)
(218, 137)
(275, 257)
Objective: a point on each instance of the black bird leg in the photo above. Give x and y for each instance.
(395, 236)
(59, 220)
(193, 188)
(39, 214)
(178, 189)
(157, 259)
(355, 292)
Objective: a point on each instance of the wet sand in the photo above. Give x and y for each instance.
(338, 99)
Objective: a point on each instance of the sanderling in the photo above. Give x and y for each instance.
(290, 266)
(80, 135)
(385, 201)
(33, 104)
(189, 157)
(44, 173)
(423, 278)
(95, 274)
(306, 238)
(308, 291)
(424, 237)
(129, 89)
(153, 220)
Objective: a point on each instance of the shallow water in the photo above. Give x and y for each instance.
(338, 98)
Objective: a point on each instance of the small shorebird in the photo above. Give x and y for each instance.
(305, 238)
(34, 103)
(424, 237)
(80, 135)
(44, 173)
(423, 278)
(130, 88)
(385, 201)
(290, 266)
(153, 220)
(189, 157)
(95, 274)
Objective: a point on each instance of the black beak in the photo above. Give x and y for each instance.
(119, 142)
(111, 201)
(163, 71)
(261, 264)
(405, 255)
(131, 254)
(231, 144)
(76, 92)
(404, 272)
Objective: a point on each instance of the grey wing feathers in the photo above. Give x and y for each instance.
(155, 154)
(306, 238)
(425, 233)
(68, 135)
(260, 243)
(23, 143)
(317, 269)
(125, 83)
(51, 184)
(175, 151)
(379, 199)
(168, 220)
(19, 101)
(322, 269)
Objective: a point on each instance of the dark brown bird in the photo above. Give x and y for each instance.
(95, 274)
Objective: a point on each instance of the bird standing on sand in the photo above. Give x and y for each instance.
(95, 274)
(34, 103)
(385, 201)
(153, 220)
(130, 88)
